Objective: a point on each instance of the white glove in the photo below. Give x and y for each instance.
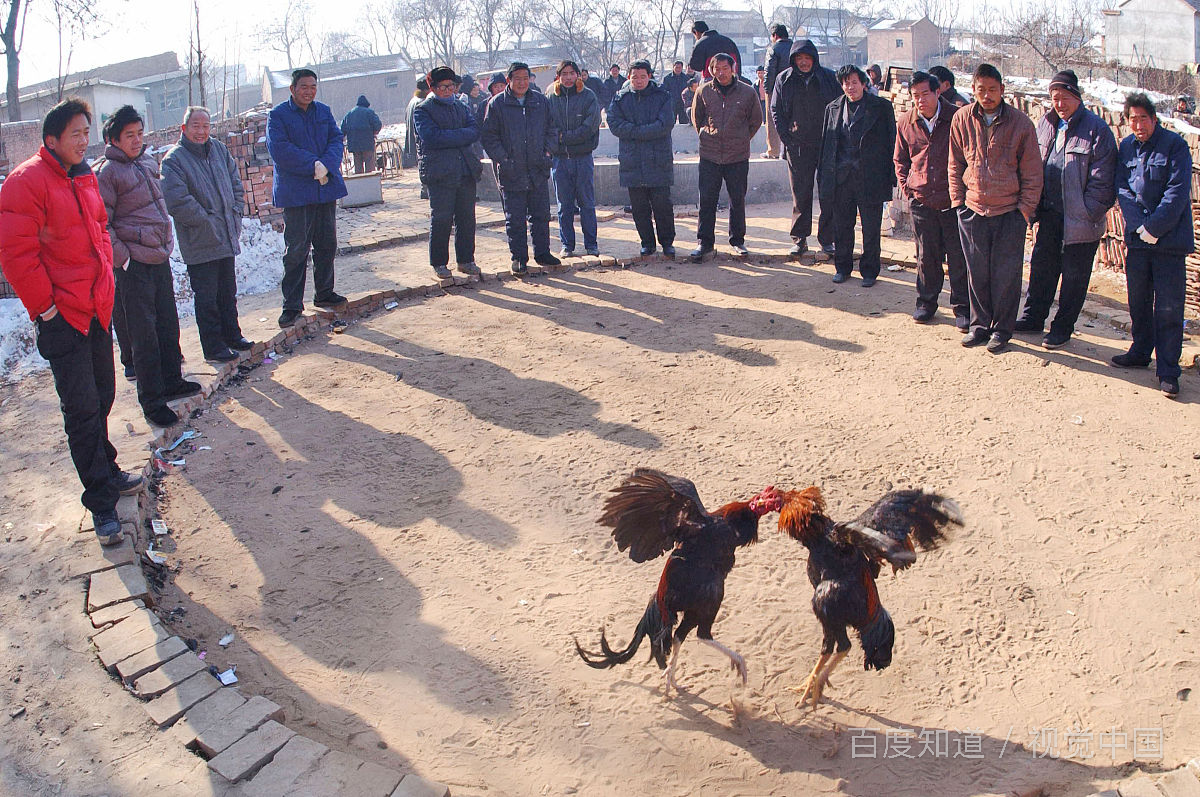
(320, 173)
(1146, 236)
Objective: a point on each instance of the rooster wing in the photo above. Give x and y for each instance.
(650, 511)
(893, 527)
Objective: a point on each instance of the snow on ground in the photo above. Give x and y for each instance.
(259, 270)
(393, 132)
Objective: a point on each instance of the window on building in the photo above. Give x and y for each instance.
(899, 44)
(391, 81)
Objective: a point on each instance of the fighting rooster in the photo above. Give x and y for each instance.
(651, 513)
(844, 560)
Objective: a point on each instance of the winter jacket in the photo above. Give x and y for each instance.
(1088, 187)
(297, 140)
(876, 134)
(576, 115)
(675, 84)
(726, 121)
(1154, 189)
(778, 59)
(408, 156)
(138, 223)
(709, 45)
(952, 97)
(205, 198)
(597, 86)
(54, 244)
(994, 171)
(613, 84)
(446, 135)
(360, 127)
(922, 158)
(518, 138)
(798, 99)
(642, 122)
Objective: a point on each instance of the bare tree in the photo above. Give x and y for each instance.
(516, 20)
(673, 18)
(488, 18)
(377, 18)
(564, 25)
(343, 45)
(1057, 33)
(437, 25)
(76, 19)
(196, 58)
(288, 34)
(942, 13)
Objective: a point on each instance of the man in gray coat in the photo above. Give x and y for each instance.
(204, 196)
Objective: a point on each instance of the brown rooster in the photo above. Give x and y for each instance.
(651, 513)
(844, 560)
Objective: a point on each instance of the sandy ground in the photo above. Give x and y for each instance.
(399, 525)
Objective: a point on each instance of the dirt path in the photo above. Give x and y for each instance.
(399, 525)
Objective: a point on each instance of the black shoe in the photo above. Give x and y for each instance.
(593, 252)
(442, 273)
(1127, 360)
(1169, 387)
(288, 318)
(130, 374)
(1027, 325)
(222, 356)
(108, 527)
(470, 269)
(699, 253)
(669, 252)
(798, 249)
(626, 208)
(828, 249)
(127, 483)
(1055, 340)
(997, 343)
(869, 281)
(740, 250)
(839, 277)
(182, 390)
(241, 344)
(519, 268)
(332, 300)
(923, 315)
(646, 251)
(162, 416)
(547, 260)
(976, 337)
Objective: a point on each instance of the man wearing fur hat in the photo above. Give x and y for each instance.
(449, 167)
(576, 114)
(1080, 157)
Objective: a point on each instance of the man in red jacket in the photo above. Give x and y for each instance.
(56, 253)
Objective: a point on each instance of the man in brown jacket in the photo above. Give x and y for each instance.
(995, 183)
(921, 157)
(727, 114)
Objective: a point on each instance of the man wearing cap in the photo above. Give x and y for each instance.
(1080, 157)
(449, 166)
(518, 134)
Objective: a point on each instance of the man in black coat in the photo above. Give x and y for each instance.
(596, 85)
(856, 173)
(778, 55)
(708, 44)
(450, 169)
(519, 135)
(797, 109)
(612, 84)
(675, 82)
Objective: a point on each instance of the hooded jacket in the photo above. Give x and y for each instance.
(54, 244)
(708, 45)
(446, 132)
(296, 140)
(575, 111)
(138, 223)
(517, 137)
(642, 122)
(204, 196)
(360, 126)
(798, 99)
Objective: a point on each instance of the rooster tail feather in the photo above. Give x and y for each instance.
(651, 625)
(877, 638)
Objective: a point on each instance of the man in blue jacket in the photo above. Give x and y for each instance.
(306, 145)
(1154, 190)
(449, 166)
(576, 113)
(360, 126)
(518, 135)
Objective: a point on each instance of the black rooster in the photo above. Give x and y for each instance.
(651, 513)
(844, 560)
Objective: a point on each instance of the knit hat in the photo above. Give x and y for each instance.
(1066, 81)
(516, 66)
(497, 77)
(441, 73)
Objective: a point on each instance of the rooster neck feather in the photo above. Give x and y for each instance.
(803, 514)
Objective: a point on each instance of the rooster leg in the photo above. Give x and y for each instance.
(670, 675)
(735, 659)
(823, 678)
(810, 683)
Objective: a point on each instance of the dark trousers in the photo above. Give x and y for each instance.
(534, 205)
(938, 240)
(1156, 284)
(305, 228)
(120, 329)
(802, 168)
(214, 289)
(452, 205)
(85, 380)
(682, 116)
(1050, 261)
(363, 161)
(735, 176)
(846, 206)
(147, 296)
(574, 183)
(647, 201)
(994, 247)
